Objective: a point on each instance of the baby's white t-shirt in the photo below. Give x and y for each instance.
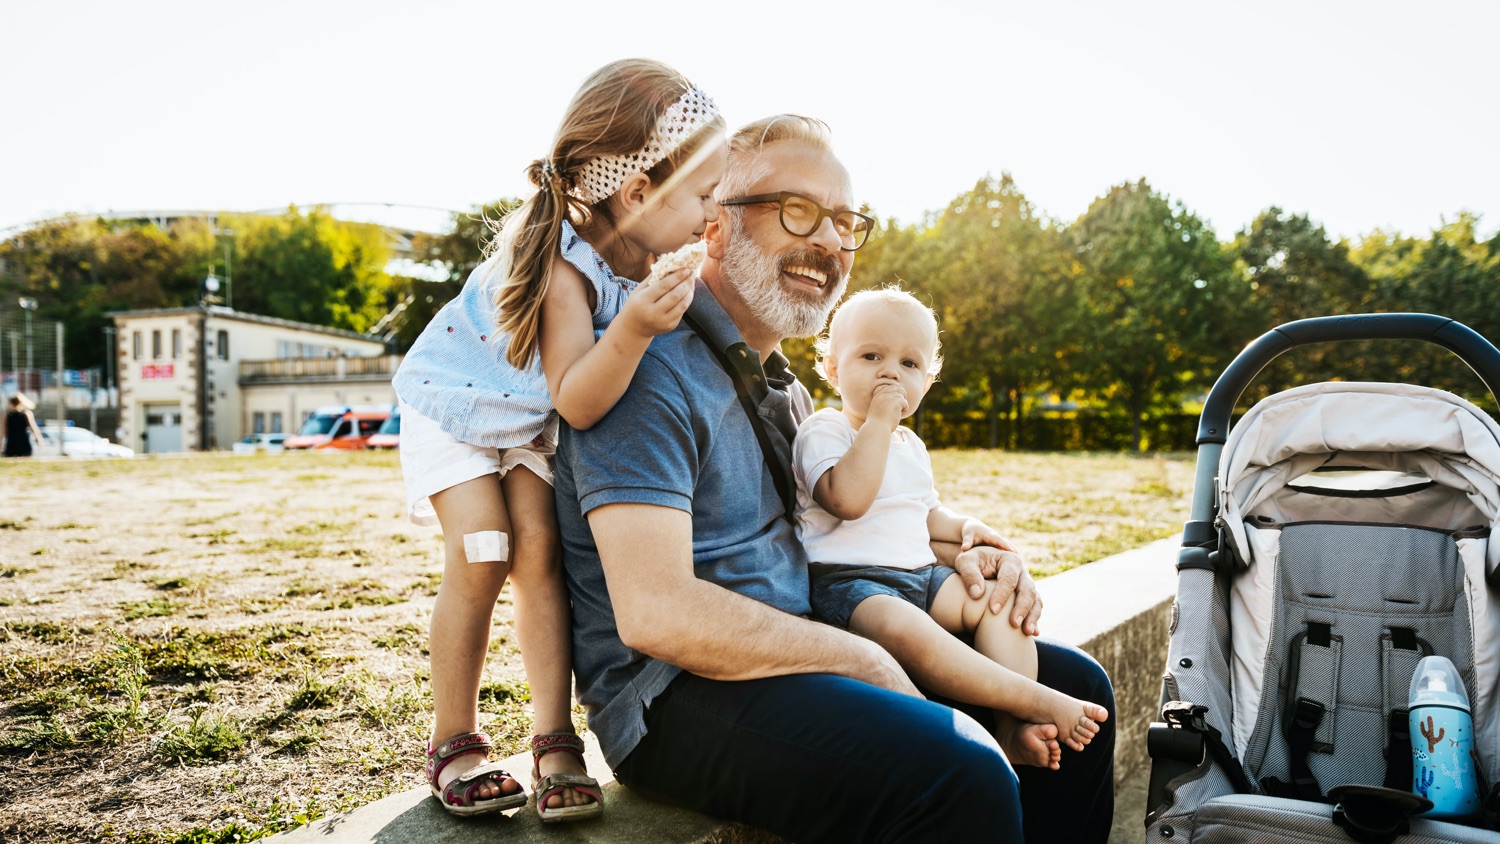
(893, 533)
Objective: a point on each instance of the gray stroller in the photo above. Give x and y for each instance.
(1339, 533)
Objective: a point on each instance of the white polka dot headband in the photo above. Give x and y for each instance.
(600, 177)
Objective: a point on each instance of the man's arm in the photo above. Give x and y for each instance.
(664, 611)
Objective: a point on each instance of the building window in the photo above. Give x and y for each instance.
(275, 421)
(289, 349)
(135, 344)
(221, 348)
(156, 344)
(257, 423)
(176, 343)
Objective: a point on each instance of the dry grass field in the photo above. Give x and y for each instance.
(215, 648)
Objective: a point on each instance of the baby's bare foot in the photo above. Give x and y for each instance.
(1028, 744)
(1084, 729)
(1077, 721)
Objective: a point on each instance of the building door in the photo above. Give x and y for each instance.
(163, 428)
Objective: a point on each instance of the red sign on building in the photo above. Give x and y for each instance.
(156, 370)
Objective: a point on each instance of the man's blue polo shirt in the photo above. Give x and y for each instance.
(678, 438)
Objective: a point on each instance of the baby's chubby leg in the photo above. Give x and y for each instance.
(1020, 696)
(941, 663)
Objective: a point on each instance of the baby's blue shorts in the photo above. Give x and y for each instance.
(837, 590)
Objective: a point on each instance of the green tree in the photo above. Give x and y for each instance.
(1160, 306)
(56, 263)
(81, 269)
(1296, 272)
(1002, 280)
(1454, 274)
(312, 268)
(458, 252)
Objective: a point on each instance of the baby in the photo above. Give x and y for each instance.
(866, 511)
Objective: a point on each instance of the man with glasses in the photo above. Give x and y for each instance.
(704, 680)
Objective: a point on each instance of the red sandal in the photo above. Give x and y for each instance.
(545, 787)
(458, 796)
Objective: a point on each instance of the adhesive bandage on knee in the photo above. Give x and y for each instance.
(487, 546)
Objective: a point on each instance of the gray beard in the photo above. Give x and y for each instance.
(757, 278)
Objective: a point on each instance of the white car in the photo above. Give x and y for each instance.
(261, 444)
(80, 442)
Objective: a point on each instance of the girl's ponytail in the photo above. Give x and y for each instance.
(529, 270)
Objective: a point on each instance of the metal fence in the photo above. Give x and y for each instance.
(31, 363)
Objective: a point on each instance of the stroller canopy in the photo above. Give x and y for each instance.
(1424, 435)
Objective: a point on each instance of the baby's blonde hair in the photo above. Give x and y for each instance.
(893, 296)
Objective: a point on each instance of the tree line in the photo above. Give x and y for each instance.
(1101, 332)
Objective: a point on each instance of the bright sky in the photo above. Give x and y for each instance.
(1360, 114)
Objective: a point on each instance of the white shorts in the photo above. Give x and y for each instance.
(432, 460)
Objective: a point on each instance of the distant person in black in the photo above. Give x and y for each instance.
(20, 426)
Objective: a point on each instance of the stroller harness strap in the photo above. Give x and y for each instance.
(1311, 696)
(1304, 720)
(1401, 650)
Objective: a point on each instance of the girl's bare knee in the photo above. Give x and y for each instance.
(536, 552)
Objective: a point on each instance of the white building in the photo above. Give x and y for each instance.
(199, 378)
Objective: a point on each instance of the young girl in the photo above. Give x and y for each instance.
(866, 510)
(631, 176)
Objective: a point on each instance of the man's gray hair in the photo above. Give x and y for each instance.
(745, 167)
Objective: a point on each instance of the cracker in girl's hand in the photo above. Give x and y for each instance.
(689, 256)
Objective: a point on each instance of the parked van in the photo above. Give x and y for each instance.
(263, 443)
(389, 435)
(339, 426)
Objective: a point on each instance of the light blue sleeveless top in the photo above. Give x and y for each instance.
(456, 372)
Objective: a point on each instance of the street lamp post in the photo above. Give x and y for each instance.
(28, 305)
(228, 277)
(109, 364)
(228, 265)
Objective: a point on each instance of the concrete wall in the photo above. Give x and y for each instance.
(1118, 610)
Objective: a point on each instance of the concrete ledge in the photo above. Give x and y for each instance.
(1116, 609)
(413, 817)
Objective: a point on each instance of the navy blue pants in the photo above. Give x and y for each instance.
(817, 757)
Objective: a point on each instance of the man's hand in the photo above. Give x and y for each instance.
(1005, 567)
